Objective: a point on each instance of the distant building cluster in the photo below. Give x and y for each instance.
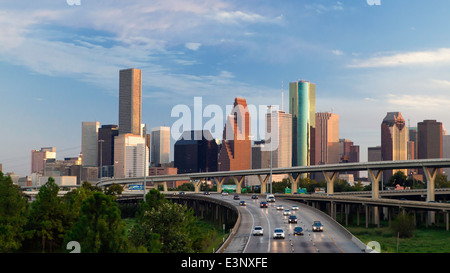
(301, 137)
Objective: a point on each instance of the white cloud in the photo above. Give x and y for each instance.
(193, 46)
(428, 57)
(234, 17)
(337, 52)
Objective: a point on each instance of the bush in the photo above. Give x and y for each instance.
(403, 225)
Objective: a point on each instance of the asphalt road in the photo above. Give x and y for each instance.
(331, 240)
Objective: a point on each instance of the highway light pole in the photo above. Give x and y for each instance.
(271, 137)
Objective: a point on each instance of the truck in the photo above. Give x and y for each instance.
(270, 198)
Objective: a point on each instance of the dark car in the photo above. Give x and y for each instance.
(242, 203)
(317, 226)
(298, 231)
(254, 196)
(292, 219)
(236, 197)
(263, 204)
(206, 193)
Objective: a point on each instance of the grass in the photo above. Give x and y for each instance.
(430, 240)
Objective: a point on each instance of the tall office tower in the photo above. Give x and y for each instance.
(394, 140)
(160, 145)
(327, 138)
(349, 153)
(374, 154)
(429, 139)
(129, 152)
(236, 150)
(302, 106)
(106, 136)
(89, 143)
(282, 138)
(40, 157)
(130, 101)
(196, 151)
(260, 155)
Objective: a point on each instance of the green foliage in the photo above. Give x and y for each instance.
(403, 225)
(114, 189)
(13, 215)
(99, 228)
(398, 178)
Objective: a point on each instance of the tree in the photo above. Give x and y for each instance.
(99, 228)
(46, 216)
(114, 189)
(398, 178)
(13, 215)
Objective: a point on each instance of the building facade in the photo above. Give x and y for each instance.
(106, 135)
(281, 147)
(327, 139)
(394, 140)
(89, 143)
(196, 151)
(302, 107)
(160, 145)
(40, 157)
(130, 156)
(236, 150)
(130, 101)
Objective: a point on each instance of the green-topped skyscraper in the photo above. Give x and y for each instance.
(302, 106)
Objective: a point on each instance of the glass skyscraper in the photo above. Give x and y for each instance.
(302, 107)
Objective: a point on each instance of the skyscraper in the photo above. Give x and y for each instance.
(302, 106)
(327, 139)
(129, 152)
(130, 98)
(160, 145)
(196, 151)
(429, 139)
(281, 145)
(236, 150)
(106, 136)
(89, 143)
(394, 140)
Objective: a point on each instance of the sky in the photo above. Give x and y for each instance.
(59, 63)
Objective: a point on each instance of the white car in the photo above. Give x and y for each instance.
(278, 233)
(280, 207)
(224, 193)
(294, 207)
(258, 231)
(286, 212)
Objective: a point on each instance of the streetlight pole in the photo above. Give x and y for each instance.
(271, 138)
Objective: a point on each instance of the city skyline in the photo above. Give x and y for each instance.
(60, 63)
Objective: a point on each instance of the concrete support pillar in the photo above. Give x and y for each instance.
(164, 184)
(294, 182)
(446, 220)
(374, 177)
(238, 183)
(197, 185)
(263, 183)
(219, 183)
(430, 174)
(330, 181)
(367, 216)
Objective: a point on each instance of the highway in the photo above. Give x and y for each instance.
(331, 240)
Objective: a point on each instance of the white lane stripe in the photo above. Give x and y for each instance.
(251, 231)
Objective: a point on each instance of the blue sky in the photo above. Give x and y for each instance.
(59, 64)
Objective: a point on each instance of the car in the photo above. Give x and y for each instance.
(292, 219)
(294, 207)
(280, 207)
(181, 192)
(224, 193)
(258, 231)
(236, 197)
(271, 199)
(263, 204)
(317, 226)
(242, 203)
(278, 233)
(254, 196)
(286, 212)
(298, 231)
(206, 193)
